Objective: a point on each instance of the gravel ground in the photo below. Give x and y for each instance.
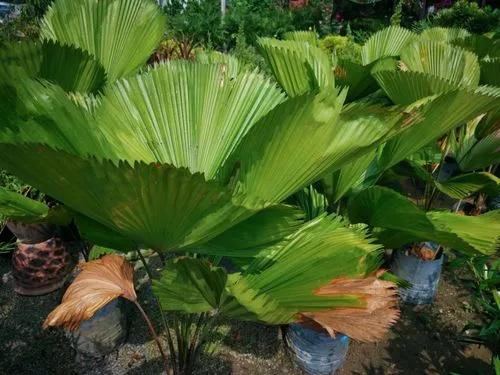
(425, 341)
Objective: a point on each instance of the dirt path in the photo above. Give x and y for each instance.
(423, 342)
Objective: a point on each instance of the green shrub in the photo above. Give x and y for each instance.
(342, 46)
(468, 15)
(201, 21)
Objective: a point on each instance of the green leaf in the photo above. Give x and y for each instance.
(357, 77)
(431, 118)
(16, 206)
(279, 284)
(155, 205)
(444, 34)
(402, 222)
(190, 285)
(482, 153)
(97, 252)
(456, 65)
(302, 36)
(71, 68)
(315, 137)
(481, 45)
(464, 185)
(490, 72)
(349, 177)
(312, 202)
(121, 34)
(187, 114)
(406, 88)
(299, 67)
(249, 237)
(103, 236)
(386, 43)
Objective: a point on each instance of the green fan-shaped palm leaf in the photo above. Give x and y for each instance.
(299, 67)
(444, 34)
(464, 185)
(248, 238)
(357, 77)
(155, 205)
(16, 206)
(481, 153)
(402, 222)
(186, 114)
(278, 285)
(388, 42)
(302, 36)
(349, 177)
(72, 69)
(435, 116)
(490, 71)
(128, 161)
(442, 60)
(408, 87)
(121, 34)
(481, 45)
(332, 137)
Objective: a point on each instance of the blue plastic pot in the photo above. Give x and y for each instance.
(103, 333)
(316, 352)
(422, 274)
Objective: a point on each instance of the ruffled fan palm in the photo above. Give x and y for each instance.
(199, 156)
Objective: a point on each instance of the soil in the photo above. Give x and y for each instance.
(425, 341)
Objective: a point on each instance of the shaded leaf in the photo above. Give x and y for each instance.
(190, 285)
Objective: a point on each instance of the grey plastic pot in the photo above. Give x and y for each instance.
(422, 274)
(103, 333)
(316, 352)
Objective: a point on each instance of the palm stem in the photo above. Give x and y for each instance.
(154, 334)
(170, 342)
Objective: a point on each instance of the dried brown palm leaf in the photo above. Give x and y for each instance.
(368, 323)
(99, 282)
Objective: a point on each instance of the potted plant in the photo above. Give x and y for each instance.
(43, 257)
(188, 158)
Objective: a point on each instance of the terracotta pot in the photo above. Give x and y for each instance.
(41, 268)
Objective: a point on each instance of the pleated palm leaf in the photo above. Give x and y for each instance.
(184, 152)
(279, 286)
(435, 83)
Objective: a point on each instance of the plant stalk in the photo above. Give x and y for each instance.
(154, 334)
(170, 342)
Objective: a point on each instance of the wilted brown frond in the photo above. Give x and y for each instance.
(368, 323)
(99, 282)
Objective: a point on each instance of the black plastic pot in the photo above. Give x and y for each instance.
(422, 274)
(315, 352)
(103, 333)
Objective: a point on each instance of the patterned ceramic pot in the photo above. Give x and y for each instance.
(41, 268)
